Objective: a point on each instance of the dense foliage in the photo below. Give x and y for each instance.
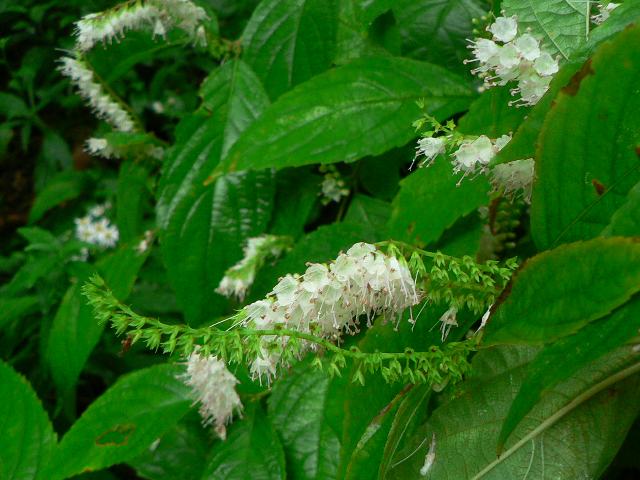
(335, 239)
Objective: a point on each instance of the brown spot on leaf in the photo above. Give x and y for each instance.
(600, 188)
(117, 436)
(411, 227)
(638, 150)
(574, 84)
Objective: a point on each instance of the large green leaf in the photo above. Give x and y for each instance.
(565, 357)
(27, 439)
(409, 413)
(363, 108)
(251, 451)
(587, 159)
(14, 308)
(366, 430)
(431, 200)
(305, 408)
(64, 186)
(288, 42)
(74, 331)
(562, 25)
(437, 30)
(205, 227)
(574, 433)
(180, 454)
(125, 420)
(560, 291)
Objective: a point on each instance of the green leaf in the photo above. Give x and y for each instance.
(418, 215)
(132, 196)
(205, 227)
(288, 42)
(13, 106)
(371, 213)
(575, 432)
(565, 357)
(305, 408)
(290, 218)
(626, 220)
(491, 114)
(409, 413)
(437, 30)
(27, 439)
(180, 454)
(64, 186)
(124, 421)
(363, 108)
(562, 25)
(14, 308)
(366, 430)
(252, 450)
(558, 292)
(74, 330)
(594, 128)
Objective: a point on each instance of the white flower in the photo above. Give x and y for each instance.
(515, 59)
(504, 29)
(103, 105)
(448, 320)
(604, 11)
(155, 15)
(333, 188)
(527, 46)
(473, 155)
(95, 229)
(430, 148)
(514, 177)
(213, 386)
(327, 300)
(545, 65)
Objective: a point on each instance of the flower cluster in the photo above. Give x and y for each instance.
(509, 57)
(333, 187)
(239, 278)
(103, 105)
(156, 15)
(96, 229)
(213, 386)
(514, 178)
(474, 155)
(328, 299)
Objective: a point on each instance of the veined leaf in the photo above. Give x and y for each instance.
(561, 24)
(27, 439)
(179, 454)
(417, 211)
(252, 450)
(363, 108)
(288, 42)
(437, 30)
(124, 421)
(305, 408)
(595, 130)
(560, 291)
(565, 357)
(574, 433)
(205, 227)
